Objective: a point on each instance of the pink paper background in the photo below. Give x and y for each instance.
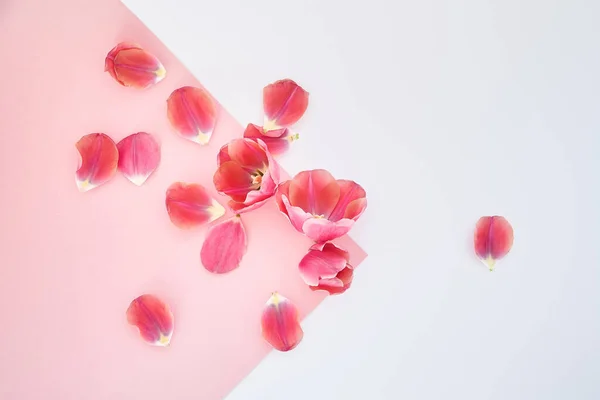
(71, 262)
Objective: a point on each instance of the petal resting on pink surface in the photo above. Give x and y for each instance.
(190, 205)
(284, 103)
(192, 113)
(139, 156)
(276, 140)
(99, 158)
(280, 324)
(153, 318)
(493, 239)
(130, 65)
(224, 246)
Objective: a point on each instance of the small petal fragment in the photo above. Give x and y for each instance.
(192, 113)
(277, 140)
(190, 205)
(98, 160)
(284, 103)
(224, 246)
(280, 324)
(139, 156)
(130, 65)
(493, 239)
(153, 318)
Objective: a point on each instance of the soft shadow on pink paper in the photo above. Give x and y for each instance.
(71, 262)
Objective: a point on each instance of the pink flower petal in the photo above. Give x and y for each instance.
(153, 318)
(352, 201)
(190, 205)
(337, 285)
(493, 239)
(224, 246)
(296, 215)
(130, 65)
(248, 153)
(280, 323)
(139, 156)
(284, 103)
(98, 160)
(322, 230)
(233, 180)
(277, 140)
(316, 192)
(322, 262)
(193, 113)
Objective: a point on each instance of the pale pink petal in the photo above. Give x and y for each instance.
(224, 246)
(283, 190)
(193, 113)
(153, 318)
(316, 192)
(296, 215)
(99, 158)
(190, 205)
(130, 65)
(322, 230)
(280, 323)
(493, 239)
(352, 201)
(139, 156)
(284, 103)
(322, 262)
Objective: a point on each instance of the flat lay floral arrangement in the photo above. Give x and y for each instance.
(315, 203)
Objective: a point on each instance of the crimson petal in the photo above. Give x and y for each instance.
(493, 239)
(153, 318)
(192, 113)
(98, 163)
(139, 156)
(224, 246)
(280, 323)
(130, 65)
(190, 205)
(284, 103)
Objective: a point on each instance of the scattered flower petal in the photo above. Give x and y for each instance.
(153, 318)
(247, 173)
(280, 324)
(139, 156)
(277, 140)
(224, 246)
(284, 103)
(193, 113)
(130, 65)
(326, 267)
(493, 239)
(190, 205)
(320, 206)
(98, 160)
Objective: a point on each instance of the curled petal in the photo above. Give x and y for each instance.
(190, 205)
(153, 318)
(130, 65)
(98, 160)
(322, 230)
(337, 285)
(139, 156)
(316, 192)
(352, 201)
(493, 239)
(248, 153)
(284, 103)
(192, 113)
(322, 262)
(296, 215)
(280, 324)
(233, 180)
(277, 140)
(224, 246)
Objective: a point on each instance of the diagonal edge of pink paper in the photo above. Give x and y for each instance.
(72, 262)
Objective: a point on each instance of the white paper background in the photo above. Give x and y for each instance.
(444, 111)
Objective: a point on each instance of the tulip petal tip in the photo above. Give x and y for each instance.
(493, 239)
(152, 318)
(280, 323)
